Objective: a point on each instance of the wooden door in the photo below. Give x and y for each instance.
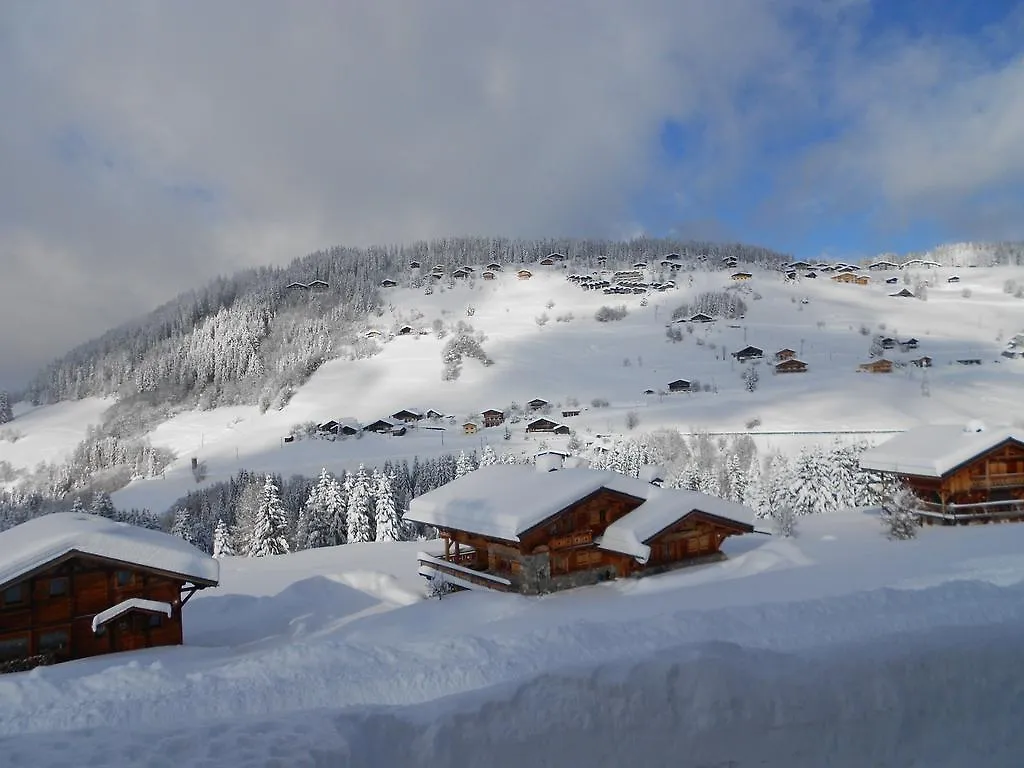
(125, 637)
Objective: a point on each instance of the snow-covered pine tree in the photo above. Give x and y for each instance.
(774, 488)
(182, 527)
(735, 479)
(357, 517)
(488, 457)
(900, 516)
(6, 414)
(335, 503)
(388, 520)
(246, 506)
(707, 482)
(810, 487)
(463, 465)
(102, 505)
(315, 522)
(842, 469)
(270, 527)
(222, 544)
(78, 506)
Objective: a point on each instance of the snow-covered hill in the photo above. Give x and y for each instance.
(583, 360)
(838, 647)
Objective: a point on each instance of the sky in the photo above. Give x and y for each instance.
(147, 147)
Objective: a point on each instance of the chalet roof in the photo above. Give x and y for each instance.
(33, 544)
(936, 449)
(503, 501)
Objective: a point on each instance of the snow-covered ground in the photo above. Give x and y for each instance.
(838, 647)
(585, 359)
(48, 433)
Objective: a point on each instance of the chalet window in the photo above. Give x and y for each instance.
(13, 648)
(58, 587)
(125, 578)
(14, 595)
(156, 620)
(53, 641)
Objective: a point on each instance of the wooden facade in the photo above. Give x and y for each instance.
(563, 551)
(49, 612)
(992, 477)
(791, 365)
(881, 365)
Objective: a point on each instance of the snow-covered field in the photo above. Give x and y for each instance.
(48, 433)
(838, 648)
(585, 359)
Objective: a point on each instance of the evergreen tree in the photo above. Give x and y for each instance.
(246, 505)
(316, 523)
(78, 506)
(900, 514)
(357, 518)
(270, 527)
(463, 465)
(488, 457)
(182, 526)
(388, 520)
(6, 414)
(102, 505)
(222, 545)
(736, 479)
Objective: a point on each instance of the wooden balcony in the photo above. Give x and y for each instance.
(987, 482)
(459, 574)
(984, 511)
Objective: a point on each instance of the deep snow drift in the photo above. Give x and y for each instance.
(837, 648)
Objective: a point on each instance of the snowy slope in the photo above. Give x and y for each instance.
(584, 359)
(48, 433)
(838, 647)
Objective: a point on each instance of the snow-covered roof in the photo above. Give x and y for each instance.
(664, 507)
(503, 501)
(33, 544)
(936, 449)
(132, 604)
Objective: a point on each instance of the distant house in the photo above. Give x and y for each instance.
(700, 317)
(785, 354)
(414, 265)
(494, 266)
(433, 413)
(340, 427)
(372, 333)
(570, 413)
(970, 361)
(741, 275)
(791, 365)
(460, 274)
(541, 425)
(922, 362)
(953, 279)
(488, 275)
(844, 277)
(1011, 354)
(297, 287)
(909, 344)
(470, 428)
(537, 403)
(649, 392)
(524, 274)
(903, 293)
(679, 385)
(791, 275)
(319, 285)
(882, 265)
(381, 426)
(812, 275)
(547, 262)
(862, 280)
(799, 265)
(388, 283)
(640, 265)
(439, 267)
(75, 585)
(556, 256)
(749, 353)
(405, 330)
(492, 417)
(437, 275)
(408, 415)
(887, 342)
(891, 280)
(881, 365)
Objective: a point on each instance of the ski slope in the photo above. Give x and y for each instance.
(838, 647)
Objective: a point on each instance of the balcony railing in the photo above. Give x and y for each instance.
(433, 567)
(998, 481)
(983, 510)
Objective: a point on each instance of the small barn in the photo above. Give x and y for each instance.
(903, 293)
(792, 365)
(785, 354)
(679, 385)
(407, 415)
(492, 417)
(537, 403)
(542, 425)
(749, 353)
(524, 274)
(881, 365)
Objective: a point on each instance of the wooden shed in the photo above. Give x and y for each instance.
(74, 585)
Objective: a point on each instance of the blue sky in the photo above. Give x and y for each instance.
(148, 147)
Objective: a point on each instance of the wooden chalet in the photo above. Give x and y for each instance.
(748, 353)
(492, 417)
(739, 276)
(542, 425)
(524, 274)
(297, 287)
(547, 262)
(881, 365)
(537, 403)
(700, 317)
(407, 415)
(959, 473)
(461, 274)
(570, 413)
(319, 285)
(903, 293)
(494, 266)
(679, 385)
(953, 279)
(388, 283)
(891, 280)
(406, 330)
(844, 277)
(74, 585)
(861, 280)
(382, 426)
(922, 362)
(470, 428)
(414, 264)
(785, 354)
(343, 427)
(538, 529)
(433, 413)
(488, 275)
(792, 365)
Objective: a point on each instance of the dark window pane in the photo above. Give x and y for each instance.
(53, 641)
(124, 578)
(13, 648)
(58, 587)
(156, 619)
(15, 594)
